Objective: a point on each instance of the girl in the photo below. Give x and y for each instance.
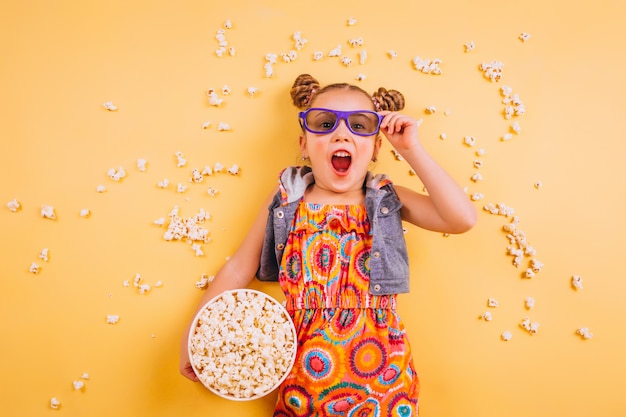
(333, 239)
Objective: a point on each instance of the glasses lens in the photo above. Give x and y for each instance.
(364, 123)
(359, 122)
(320, 120)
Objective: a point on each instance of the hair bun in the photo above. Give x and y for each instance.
(391, 100)
(302, 89)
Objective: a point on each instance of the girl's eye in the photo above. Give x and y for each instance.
(326, 125)
(358, 127)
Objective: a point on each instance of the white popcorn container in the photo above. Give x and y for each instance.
(228, 344)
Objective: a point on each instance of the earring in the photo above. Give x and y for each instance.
(304, 158)
(374, 159)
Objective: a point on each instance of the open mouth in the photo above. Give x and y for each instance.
(341, 161)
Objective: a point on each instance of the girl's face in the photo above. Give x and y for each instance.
(340, 158)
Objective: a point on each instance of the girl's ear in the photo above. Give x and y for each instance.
(377, 144)
(303, 146)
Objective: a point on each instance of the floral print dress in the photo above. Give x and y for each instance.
(353, 354)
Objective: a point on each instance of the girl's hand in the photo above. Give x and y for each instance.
(187, 370)
(400, 130)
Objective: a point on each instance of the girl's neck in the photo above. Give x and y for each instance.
(318, 195)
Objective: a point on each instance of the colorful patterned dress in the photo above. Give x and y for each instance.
(353, 354)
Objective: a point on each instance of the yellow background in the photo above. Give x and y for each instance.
(61, 60)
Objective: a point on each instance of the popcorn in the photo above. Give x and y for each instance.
(204, 281)
(486, 316)
(78, 385)
(529, 303)
(577, 282)
(515, 127)
(538, 184)
(84, 213)
(197, 248)
(196, 176)
(392, 54)
(223, 127)
(318, 55)
(13, 205)
(506, 336)
(163, 183)
(362, 57)
(513, 105)
(116, 175)
(180, 158)
(431, 109)
(44, 254)
(206, 125)
(492, 70)
(55, 404)
(212, 191)
(181, 188)
(351, 21)
(506, 136)
(427, 66)
(345, 61)
(228, 24)
(242, 344)
(360, 77)
(214, 99)
(252, 91)
(530, 327)
(336, 52)
(524, 36)
(233, 170)
(584, 333)
(477, 196)
(109, 106)
(188, 229)
(355, 42)
(469, 140)
(299, 41)
(443, 136)
(492, 302)
(476, 177)
(101, 188)
(141, 164)
(47, 212)
(113, 318)
(34, 268)
(469, 46)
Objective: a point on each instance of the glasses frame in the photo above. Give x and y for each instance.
(341, 115)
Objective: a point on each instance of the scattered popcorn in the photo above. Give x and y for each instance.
(197, 248)
(34, 268)
(529, 303)
(13, 205)
(299, 41)
(226, 90)
(196, 176)
(141, 164)
(252, 91)
(181, 188)
(515, 127)
(109, 106)
(443, 136)
(78, 385)
(187, 229)
(530, 327)
(228, 24)
(469, 46)
(499, 209)
(233, 170)
(271, 58)
(584, 333)
(506, 336)
(397, 155)
(535, 265)
(212, 191)
(220, 51)
(116, 175)
(538, 184)
(477, 196)
(577, 282)
(318, 55)
(477, 163)
(160, 221)
(506, 136)
(164, 183)
(480, 152)
(207, 170)
(242, 344)
(351, 21)
(85, 375)
(101, 188)
(206, 124)
(362, 57)
(355, 42)
(476, 177)
(345, 61)
(181, 159)
(469, 140)
(427, 66)
(55, 404)
(44, 254)
(218, 167)
(529, 273)
(214, 99)
(430, 109)
(336, 52)
(47, 212)
(524, 36)
(360, 77)
(223, 127)
(113, 318)
(486, 316)
(492, 70)
(492, 302)
(204, 281)
(392, 54)
(85, 213)
(513, 105)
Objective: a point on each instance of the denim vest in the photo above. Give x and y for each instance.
(389, 264)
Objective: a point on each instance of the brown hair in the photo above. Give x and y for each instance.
(305, 88)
